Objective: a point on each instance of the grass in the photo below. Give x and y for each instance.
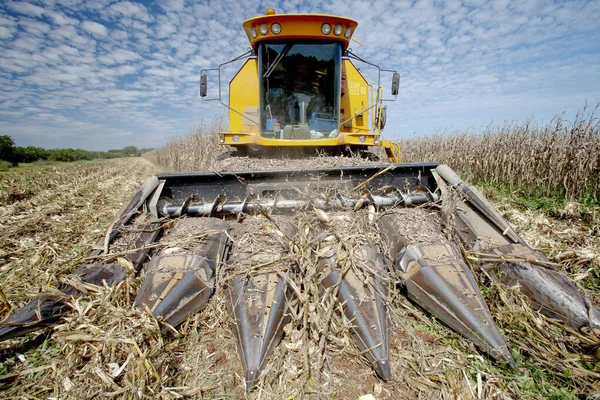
(584, 209)
(5, 165)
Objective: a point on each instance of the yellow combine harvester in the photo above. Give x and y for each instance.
(300, 89)
(269, 244)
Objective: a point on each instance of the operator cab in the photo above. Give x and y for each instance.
(299, 70)
(299, 89)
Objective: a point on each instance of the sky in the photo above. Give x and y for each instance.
(106, 74)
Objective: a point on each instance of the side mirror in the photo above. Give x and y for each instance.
(395, 83)
(203, 85)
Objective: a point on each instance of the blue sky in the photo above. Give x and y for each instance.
(106, 74)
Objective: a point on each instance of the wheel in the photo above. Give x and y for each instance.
(367, 155)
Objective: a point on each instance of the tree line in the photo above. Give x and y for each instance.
(9, 153)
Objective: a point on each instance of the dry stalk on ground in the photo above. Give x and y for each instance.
(105, 346)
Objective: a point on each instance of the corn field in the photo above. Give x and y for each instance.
(561, 158)
(196, 151)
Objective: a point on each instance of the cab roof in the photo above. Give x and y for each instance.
(274, 26)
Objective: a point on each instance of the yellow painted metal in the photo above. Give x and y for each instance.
(298, 26)
(355, 100)
(354, 110)
(392, 150)
(360, 102)
(248, 138)
(243, 99)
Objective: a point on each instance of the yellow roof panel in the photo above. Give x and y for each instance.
(298, 26)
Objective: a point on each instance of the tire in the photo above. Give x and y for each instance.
(367, 155)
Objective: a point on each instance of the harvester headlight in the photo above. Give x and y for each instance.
(276, 28)
(338, 29)
(253, 32)
(326, 29)
(348, 32)
(221, 138)
(263, 29)
(362, 139)
(236, 138)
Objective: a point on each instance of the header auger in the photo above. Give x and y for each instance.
(259, 239)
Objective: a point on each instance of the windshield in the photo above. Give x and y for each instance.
(299, 90)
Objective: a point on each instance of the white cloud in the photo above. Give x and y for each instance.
(130, 10)
(158, 72)
(59, 18)
(126, 70)
(66, 49)
(165, 27)
(34, 27)
(6, 32)
(94, 28)
(119, 56)
(25, 8)
(69, 35)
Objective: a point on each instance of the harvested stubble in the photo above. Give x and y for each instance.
(107, 347)
(42, 239)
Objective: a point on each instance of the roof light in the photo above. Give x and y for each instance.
(263, 29)
(338, 29)
(326, 29)
(270, 11)
(348, 32)
(276, 28)
(253, 32)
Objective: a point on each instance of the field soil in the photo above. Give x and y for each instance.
(51, 217)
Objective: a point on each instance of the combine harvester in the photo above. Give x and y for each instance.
(299, 87)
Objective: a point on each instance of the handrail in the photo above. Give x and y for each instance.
(248, 54)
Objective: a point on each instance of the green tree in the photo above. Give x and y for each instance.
(30, 154)
(7, 149)
(129, 150)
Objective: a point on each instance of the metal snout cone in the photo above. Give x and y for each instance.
(43, 311)
(252, 376)
(363, 301)
(481, 228)
(258, 300)
(180, 280)
(382, 369)
(549, 291)
(258, 306)
(439, 281)
(37, 314)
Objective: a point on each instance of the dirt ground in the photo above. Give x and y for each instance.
(51, 217)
